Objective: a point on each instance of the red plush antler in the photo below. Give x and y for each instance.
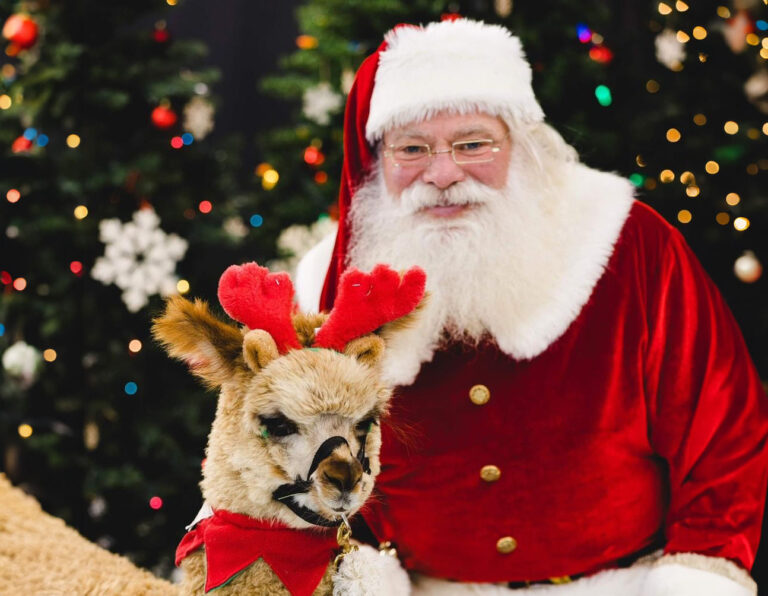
(261, 300)
(366, 301)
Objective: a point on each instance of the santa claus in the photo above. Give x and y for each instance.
(576, 410)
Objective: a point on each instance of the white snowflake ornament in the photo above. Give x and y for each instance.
(139, 258)
(670, 51)
(320, 102)
(295, 241)
(198, 117)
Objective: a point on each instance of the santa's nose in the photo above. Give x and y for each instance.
(442, 171)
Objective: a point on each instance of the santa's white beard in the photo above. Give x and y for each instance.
(469, 260)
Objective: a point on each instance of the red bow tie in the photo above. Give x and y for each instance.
(234, 541)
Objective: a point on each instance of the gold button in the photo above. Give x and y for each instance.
(479, 394)
(506, 545)
(490, 473)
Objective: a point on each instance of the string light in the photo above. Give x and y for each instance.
(692, 191)
(741, 223)
(699, 119)
(683, 37)
(664, 9)
(667, 176)
(205, 206)
(5, 101)
(2, 330)
(13, 195)
(640, 161)
(712, 167)
(603, 95)
(256, 220)
(673, 135)
(765, 128)
(699, 32)
(269, 179)
(583, 32)
(49, 355)
(73, 141)
(687, 178)
(731, 127)
(262, 168)
(134, 346)
(187, 138)
(307, 42)
(752, 169)
(155, 503)
(172, 2)
(130, 388)
(723, 12)
(25, 431)
(182, 286)
(19, 284)
(321, 177)
(81, 212)
(177, 143)
(753, 39)
(76, 267)
(681, 6)
(652, 86)
(684, 216)
(722, 218)
(732, 199)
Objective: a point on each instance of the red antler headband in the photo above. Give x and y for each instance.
(262, 300)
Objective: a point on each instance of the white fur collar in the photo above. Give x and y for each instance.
(570, 240)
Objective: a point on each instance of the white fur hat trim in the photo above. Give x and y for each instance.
(463, 66)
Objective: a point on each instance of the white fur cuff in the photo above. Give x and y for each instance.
(367, 572)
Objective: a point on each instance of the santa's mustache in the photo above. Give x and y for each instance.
(420, 195)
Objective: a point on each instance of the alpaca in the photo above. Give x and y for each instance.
(294, 446)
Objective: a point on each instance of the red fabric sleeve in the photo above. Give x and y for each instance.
(708, 413)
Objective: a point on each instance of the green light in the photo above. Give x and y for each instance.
(603, 95)
(637, 179)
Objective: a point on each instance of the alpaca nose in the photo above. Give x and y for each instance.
(343, 474)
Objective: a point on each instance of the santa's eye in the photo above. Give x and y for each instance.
(278, 425)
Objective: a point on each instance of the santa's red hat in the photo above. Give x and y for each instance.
(459, 65)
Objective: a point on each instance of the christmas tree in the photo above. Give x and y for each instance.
(114, 195)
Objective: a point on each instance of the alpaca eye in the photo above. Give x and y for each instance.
(278, 426)
(365, 425)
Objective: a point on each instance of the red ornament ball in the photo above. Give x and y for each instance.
(163, 117)
(20, 30)
(21, 144)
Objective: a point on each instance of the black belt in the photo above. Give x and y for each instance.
(627, 561)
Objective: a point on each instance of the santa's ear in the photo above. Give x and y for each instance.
(211, 348)
(259, 349)
(367, 349)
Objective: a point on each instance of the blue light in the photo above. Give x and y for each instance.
(2, 330)
(187, 138)
(256, 220)
(131, 388)
(30, 134)
(584, 33)
(762, 25)
(42, 140)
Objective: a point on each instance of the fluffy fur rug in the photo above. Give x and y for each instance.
(40, 555)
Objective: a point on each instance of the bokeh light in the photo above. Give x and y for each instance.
(13, 195)
(182, 286)
(130, 388)
(49, 355)
(684, 216)
(134, 345)
(25, 431)
(73, 141)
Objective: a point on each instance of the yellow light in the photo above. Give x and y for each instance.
(712, 167)
(664, 8)
(683, 37)
(49, 355)
(182, 286)
(723, 12)
(687, 178)
(652, 86)
(673, 135)
(731, 127)
(684, 216)
(650, 184)
(640, 161)
(5, 101)
(722, 218)
(765, 128)
(13, 195)
(307, 42)
(753, 134)
(262, 168)
(270, 179)
(765, 42)
(667, 176)
(699, 32)
(681, 6)
(732, 199)
(753, 39)
(25, 431)
(700, 119)
(752, 169)
(135, 345)
(741, 223)
(692, 191)
(172, 2)
(764, 53)
(597, 39)
(8, 71)
(73, 141)
(702, 57)
(81, 212)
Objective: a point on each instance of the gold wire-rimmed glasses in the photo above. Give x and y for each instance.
(464, 152)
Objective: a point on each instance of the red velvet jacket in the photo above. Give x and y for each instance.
(644, 422)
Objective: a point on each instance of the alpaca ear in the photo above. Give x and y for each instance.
(259, 349)
(367, 349)
(211, 348)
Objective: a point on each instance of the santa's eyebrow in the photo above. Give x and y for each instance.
(411, 134)
(476, 131)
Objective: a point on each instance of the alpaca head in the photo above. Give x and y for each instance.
(296, 436)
